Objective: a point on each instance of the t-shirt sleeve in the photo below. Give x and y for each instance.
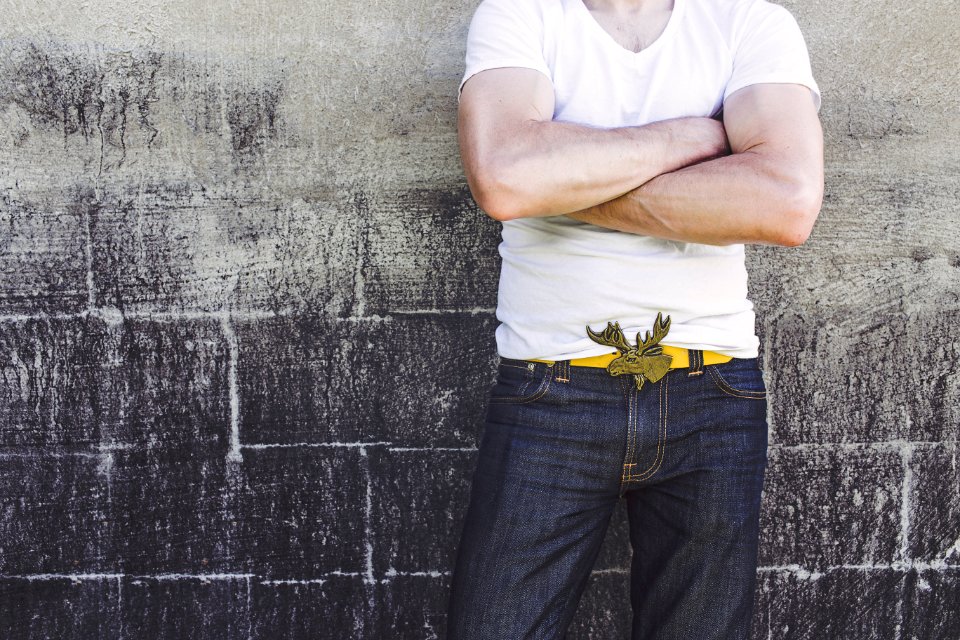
(771, 48)
(505, 33)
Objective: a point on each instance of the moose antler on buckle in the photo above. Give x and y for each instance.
(645, 361)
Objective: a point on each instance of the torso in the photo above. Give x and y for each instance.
(558, 274)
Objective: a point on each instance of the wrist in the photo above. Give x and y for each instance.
(681, 142)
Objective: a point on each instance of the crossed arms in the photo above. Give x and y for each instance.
(757, 177)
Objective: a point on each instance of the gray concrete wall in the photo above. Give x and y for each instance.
(246, 317)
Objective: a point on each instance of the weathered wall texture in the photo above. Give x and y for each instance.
(246, 327)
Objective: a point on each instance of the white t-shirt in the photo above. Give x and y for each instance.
(558, 274)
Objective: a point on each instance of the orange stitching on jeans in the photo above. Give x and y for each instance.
(537, 394)
(540, 393)
(696, 366)
(626, 403)
(545, 384)
(624, 475)
(662, 435)
(666, 413)
(725, 387)
(632, 411)
(656, 459)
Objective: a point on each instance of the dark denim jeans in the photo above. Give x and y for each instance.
(561, 446)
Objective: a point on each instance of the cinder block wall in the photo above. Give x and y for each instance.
(247, 315)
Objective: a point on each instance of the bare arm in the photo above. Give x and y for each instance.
(519, 162)
(768, 192)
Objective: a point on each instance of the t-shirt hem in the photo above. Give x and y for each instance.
(500, 64)
(774, 79)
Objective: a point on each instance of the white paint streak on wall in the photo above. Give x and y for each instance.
(88, 255)
(368, 516)
(906, 455)
(234, 454)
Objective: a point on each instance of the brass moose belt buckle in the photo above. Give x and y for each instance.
(645, 360)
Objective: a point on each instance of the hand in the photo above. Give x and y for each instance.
(702, 138)
(707, 136)
(711, 133)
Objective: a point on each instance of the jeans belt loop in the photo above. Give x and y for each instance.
(696, 362)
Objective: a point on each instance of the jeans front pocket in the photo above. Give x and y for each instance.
(740, 377)
(519, 381)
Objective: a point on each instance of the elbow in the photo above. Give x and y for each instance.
(801, 207)
(494, 201)
(497, 195)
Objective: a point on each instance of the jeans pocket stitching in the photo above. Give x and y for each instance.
(538, 393)
(725, 387)
(661, 440)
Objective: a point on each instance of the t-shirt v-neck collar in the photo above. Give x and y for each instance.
(611, 43)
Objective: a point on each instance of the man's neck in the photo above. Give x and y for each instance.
(628, 6)
(634, 24)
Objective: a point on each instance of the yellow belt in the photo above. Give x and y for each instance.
(681, 358)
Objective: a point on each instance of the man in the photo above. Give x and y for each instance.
(631, 148)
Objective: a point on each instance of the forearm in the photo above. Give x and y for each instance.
(741, 198)
(769, 191)
(547, 168)
(520, 162)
